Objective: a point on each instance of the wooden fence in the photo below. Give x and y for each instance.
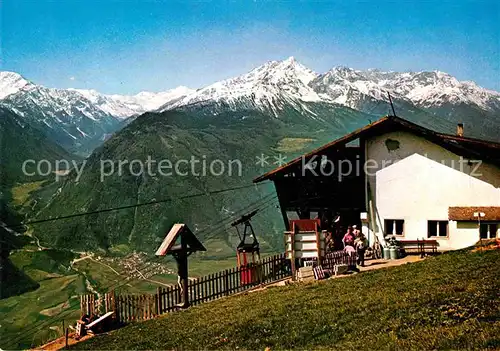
(334, 258)
(126, 308)
(130, 308)
(90, 305)
(225, 283)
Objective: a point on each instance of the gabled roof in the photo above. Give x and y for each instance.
(188, 241)
(470, 147)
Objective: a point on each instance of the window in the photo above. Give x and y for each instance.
(394, 226)
(488, 230)
(437, 228)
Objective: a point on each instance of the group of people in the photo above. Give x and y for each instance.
(355, 241)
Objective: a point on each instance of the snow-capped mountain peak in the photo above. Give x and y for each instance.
(124, 106)
(424, 89)
(151, 101)
(11, 83)
(266, 87)
(435, 88)
(280, 73)
(76, 118)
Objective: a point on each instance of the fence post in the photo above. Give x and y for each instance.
(260, 268)
(115, 305)
(92, 305)
(226, 283)
(292, 239)
(86, 300)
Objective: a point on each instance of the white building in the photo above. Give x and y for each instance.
(406, 180)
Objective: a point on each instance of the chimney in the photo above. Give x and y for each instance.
(460, 129)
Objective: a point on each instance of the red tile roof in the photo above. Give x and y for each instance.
(467, 213)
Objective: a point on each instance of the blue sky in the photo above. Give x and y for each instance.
(128, 46)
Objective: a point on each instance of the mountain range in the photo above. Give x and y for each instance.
(78, 120)
(279, 108)
(344, 86)
(435, 98)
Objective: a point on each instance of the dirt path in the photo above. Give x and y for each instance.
(59, 344)
(370, 265)
(89, 257)
(31, 235)
(88, 284)
(40, 247)
(105, 265)
(79, 259)
(382, 263)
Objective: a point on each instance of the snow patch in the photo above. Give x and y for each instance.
(82, 132)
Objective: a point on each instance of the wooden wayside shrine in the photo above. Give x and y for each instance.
(180, 242)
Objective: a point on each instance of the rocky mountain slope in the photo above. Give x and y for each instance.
(78, 120)
(268, 88)
(124, 106)
(434, 99)
(437, 93)
(19, 142)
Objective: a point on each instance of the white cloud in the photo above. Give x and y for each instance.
(72, 78)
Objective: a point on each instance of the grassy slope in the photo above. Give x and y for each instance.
(57, 288)
(452, 301)
(21, 192)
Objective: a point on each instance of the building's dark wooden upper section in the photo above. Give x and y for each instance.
(468, 147)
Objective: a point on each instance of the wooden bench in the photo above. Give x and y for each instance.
(97, 324)
(421, 246)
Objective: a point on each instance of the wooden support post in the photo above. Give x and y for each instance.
(66, 338)
(373, 223)
(226, 282)
(182, 271)
(106, 302)
(280, 191)
(318, 243)
(158, 301)
(292, 249)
